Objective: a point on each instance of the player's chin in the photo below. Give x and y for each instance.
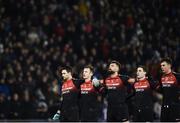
(110, 72)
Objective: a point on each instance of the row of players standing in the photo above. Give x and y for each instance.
(79, 98)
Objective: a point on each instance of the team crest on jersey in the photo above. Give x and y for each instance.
(86, 88)
(67, 87)
(168, 80)
(141, 85)
(113, 83)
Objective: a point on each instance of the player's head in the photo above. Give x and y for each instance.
(141, 72)
(166, 64)
(88, 72)
(65, 72)
(114, 67)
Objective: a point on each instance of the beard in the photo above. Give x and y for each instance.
(110, 72)
(65, 79)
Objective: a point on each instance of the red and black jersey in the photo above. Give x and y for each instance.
(170, 87)
(89, 95)
(68, 87)
(116, 88)
(70, 92)
(143, 93)
(87, 88)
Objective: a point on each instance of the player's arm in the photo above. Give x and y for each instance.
(177, 75)
(99, 85)
(153, 83)
(131, 93)
(78, 82)
(57, 116)
(158, 85)
(127, 80)
(129, 83)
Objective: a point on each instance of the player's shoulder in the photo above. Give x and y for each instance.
(124, 77)
(78, 80)
(74, 79)
(176, 74)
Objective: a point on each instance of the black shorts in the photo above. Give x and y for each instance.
(117, 113)
(89, 114)
(70, 114)
(170, 113)
(143, 114)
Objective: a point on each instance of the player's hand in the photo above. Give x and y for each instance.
(95, 82)
(131, 80)
(56, 117)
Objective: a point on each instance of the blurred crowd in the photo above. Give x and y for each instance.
(37, 36)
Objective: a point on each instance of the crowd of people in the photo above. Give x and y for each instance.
(38, 36)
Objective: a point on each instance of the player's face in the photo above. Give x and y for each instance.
(165, 67)
(87, 74)
(65, 75)
(140, 73)
(113, 67)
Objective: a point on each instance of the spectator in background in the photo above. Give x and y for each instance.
(4, 106)
(41, 106)
(28, 106)
(37, 36)
(15, 106)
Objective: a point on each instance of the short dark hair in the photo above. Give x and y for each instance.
(67, 68)
(167, 60)
(115, 62)
(90, 67)
(143, 67)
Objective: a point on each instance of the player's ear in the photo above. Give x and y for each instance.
(145, 73)
(91, 73)
(170, 65)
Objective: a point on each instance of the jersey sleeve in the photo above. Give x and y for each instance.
(101, 87)
(125, 79)
(130, 87)
(78, 82)
(153, 83)
(177, 75)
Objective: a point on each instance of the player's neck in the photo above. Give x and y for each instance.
(88, 79)
(114, 74)
(70, 78)
(143, 78)
(168, 72)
